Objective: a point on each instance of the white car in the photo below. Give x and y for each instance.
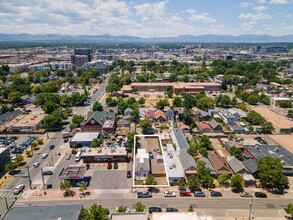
(18, 189)
(169, 194)
(45, 155)
(35, 165)
(245, 194)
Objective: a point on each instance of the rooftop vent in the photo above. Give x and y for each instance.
(276, 149)
(282, 156)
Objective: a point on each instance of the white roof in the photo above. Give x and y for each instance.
(141, 155)
(175, 216)
(85, 136)
(173, 165)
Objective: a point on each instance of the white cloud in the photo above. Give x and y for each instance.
(151, 11)
(248, 25)
(279, 2)
(190, 11)
(260, 8)
(266, 27)
(246, 4)
(284, 15)
(255, 17)
(261, 1)
(203, 17)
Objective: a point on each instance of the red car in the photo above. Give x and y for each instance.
(185, 193)
(109, 166)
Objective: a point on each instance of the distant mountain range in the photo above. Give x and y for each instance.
(208, 38)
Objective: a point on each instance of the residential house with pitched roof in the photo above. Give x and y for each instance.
(205, 128)
(127, 113)
(236, 165)
(160, 116)
(219, 163)
(208, 165)
(178, 113)
(196, 113)
(142, 164)
(228, 118)
(150, 114)
(216, 127)
(169, 115)
(99, 121)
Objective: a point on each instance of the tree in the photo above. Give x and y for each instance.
(135, 115)
(181, 183)
(204, 175)
(162, 103)
(122, 208)
(193, 182)
(205, 103)
(82, 188)
(236, 182)
(65, 185)
(15, 98)
(97, 212)
(236, 152)
(65, 100)
(53, 122)
(177, 102)
(97, 106)
(10, 167)
(77, 119)
(267, 127)
(289, 210)
(252, 99)
(187, 117)
(224, 179)
(170, 92)
(290, 113)
(264, 99)
(38, 88)
(139, 207)
(271, 173)
(49, 107)
(141, 101)
(130, 139)
(285, 104)
(190, 209)
(205, 142)
(95, 143)
(150, 180)
(112, 87)
(145, 124)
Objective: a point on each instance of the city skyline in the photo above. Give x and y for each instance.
(147, 18)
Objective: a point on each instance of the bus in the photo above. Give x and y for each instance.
(77, 156)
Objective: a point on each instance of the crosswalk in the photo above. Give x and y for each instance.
(7, 194)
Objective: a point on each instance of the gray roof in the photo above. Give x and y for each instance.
(181, 140)
(9, 115)
(214, 124)
(208, 165)
(236, 165)
(64, 212)
(204, 113)
(123, 122)
(145, 165)
(85, 136)
(186, 160)
(237, 128)
(250, 164)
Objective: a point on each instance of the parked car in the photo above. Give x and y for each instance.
(154, 209)
(184, 193)
(35, 165)
(216, 194)
(109, 166)
(68, 156)
(169, 209)
(260, 195)
(18, 189)
(199, 193)
(115, 165)
(48, 172)
(245, 194)
(129, 175)
(169, 194)
(151, 155)
(52, 147)
(44, 156)
(145, 194)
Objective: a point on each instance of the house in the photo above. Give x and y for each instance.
(236, 165)
(141, 113)
(214, 111)
(249, 180)
(142, 164)
(160, 116)
(251, 166)
(123, 124)
(179, 140)
(237, 113)
(237, 129)
(196, 112)
(150, 114)
(204, 116)
(208, 165)
(127, 113)
(228, 118)
(205, 128)
(178, 113)
(219, 163)
(28, 99)
(99, 121)
(188, 163)
(216, 127)
(169, 115)
(185, 128)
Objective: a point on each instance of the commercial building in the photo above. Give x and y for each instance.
(28, 122)
(85, 52)
(280, 123)
(72, 173)
(4, 159)
(83, 139)
(64, 212)
(129, 216)
(178, 87)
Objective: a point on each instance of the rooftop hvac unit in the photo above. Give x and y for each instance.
(283, 162)
(276, 149)
(257, 146)
(282, 156)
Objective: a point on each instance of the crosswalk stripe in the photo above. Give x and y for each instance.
(6, 194)
(11, 195)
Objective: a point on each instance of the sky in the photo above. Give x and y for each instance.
(147, 18)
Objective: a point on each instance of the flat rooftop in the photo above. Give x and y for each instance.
(173, 164)
(73, 172)
(28, 120)
(84, 136)
(129, 216)
(277, 120)
(175, 216)
(104, 151)
(284, 140)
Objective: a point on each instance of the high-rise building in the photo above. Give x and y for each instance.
(86, 52)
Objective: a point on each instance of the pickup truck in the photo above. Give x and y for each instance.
(144, 195)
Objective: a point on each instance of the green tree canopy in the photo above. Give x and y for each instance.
(65, 185)
(139, 207)
(236, 152)
(145, 124)
(150, 180)
(224, 179)
(236, 182)
(289, 210)
(162, 103)
(97, 106)
(15, 98)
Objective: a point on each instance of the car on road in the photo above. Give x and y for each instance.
(144, 194)
(184, 193)
(115, 165)
(154, 209)
(48, 172)
(129, 175)
(169, 194)
(44, 156)
(109, 166)
(199, 193)
(36, 164)
(151, 155)
(170, 209)
(260, 195)
(216, 194)
(18, 189)
(245, 194)
(52, 146)
(68, 156)
(66, 140)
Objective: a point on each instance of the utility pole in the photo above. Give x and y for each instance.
(42, 174)
(250, 208)
(29, 177)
